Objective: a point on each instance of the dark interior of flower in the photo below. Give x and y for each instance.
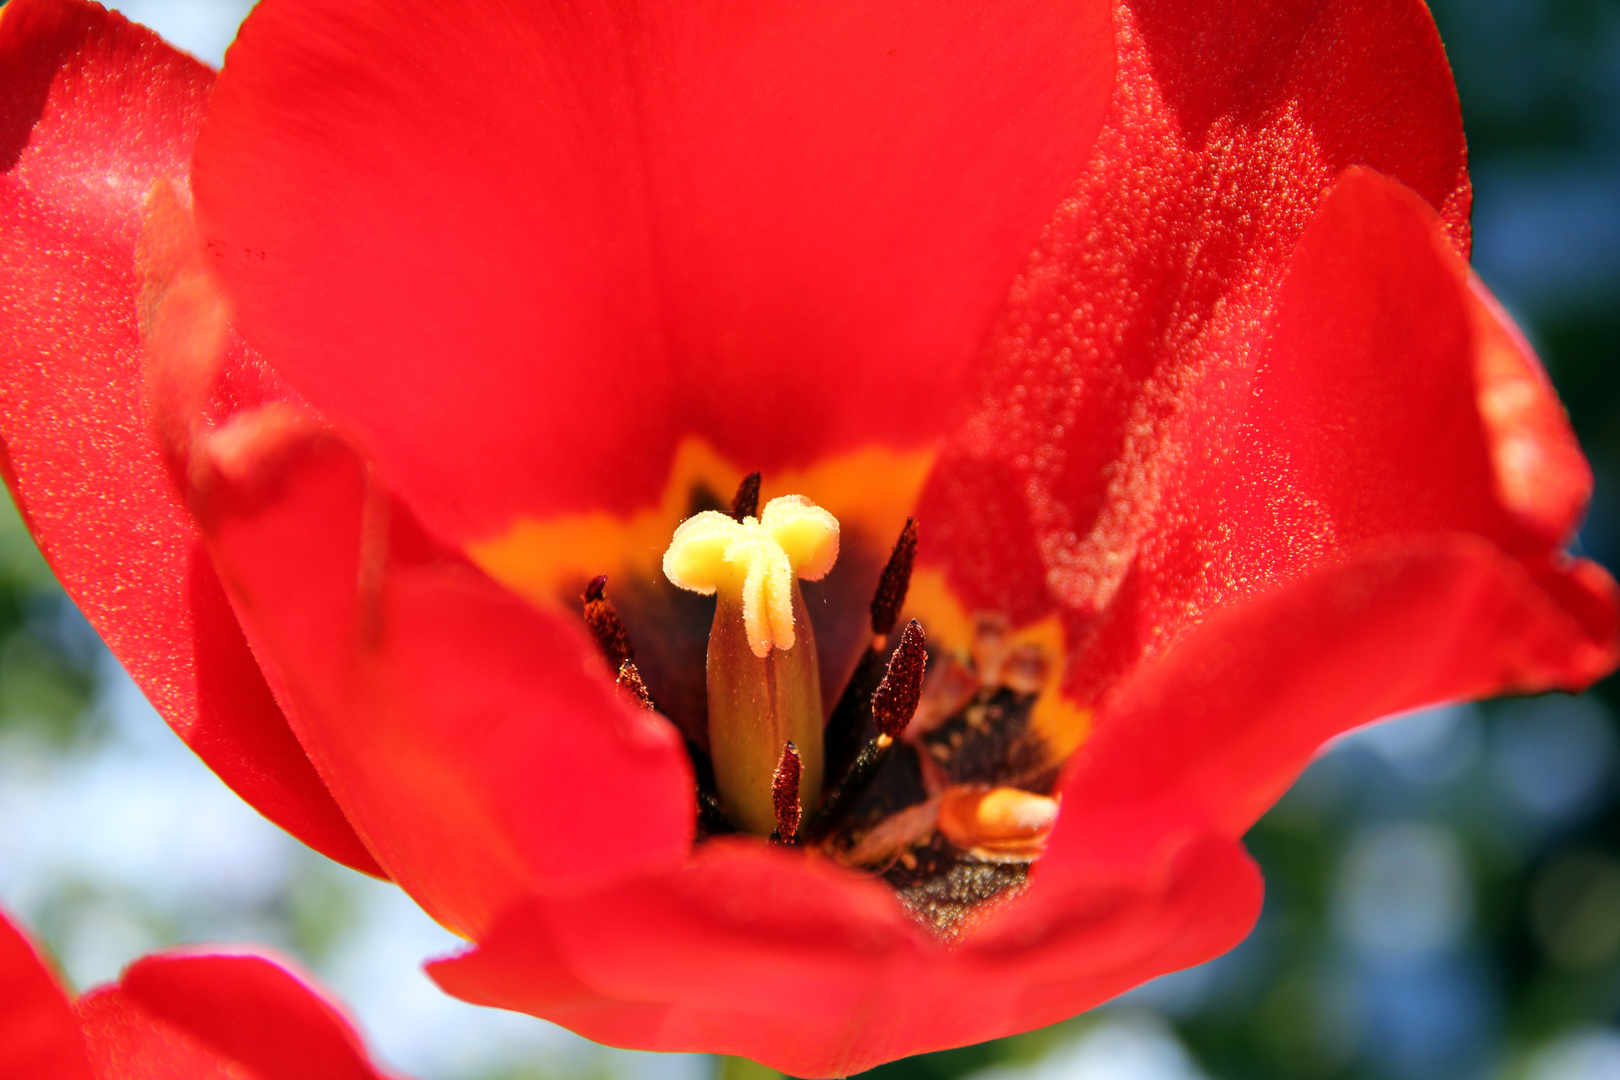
(929, 770)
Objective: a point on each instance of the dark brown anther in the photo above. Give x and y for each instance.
(630, 682)
(849, 727)
(851, 785)
(891, 706)
(896, 579)
(894, 702)
(605, 625)
(785, 793)
(745, 503)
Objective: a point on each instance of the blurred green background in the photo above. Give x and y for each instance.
(1443, 892)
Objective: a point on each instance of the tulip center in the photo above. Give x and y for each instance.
(764, 682)
(942, 787)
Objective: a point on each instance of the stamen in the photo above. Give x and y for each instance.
(604, 624)
(611, 635)
(847, 731)
(745, 504)
(630, 681)
(893, 703)
(785, 794)
(882, 844)
(896, 580)
(895, 700)
(997, 823)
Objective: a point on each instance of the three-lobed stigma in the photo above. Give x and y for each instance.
(756, 562)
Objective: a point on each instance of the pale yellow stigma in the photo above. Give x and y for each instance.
(756, 560)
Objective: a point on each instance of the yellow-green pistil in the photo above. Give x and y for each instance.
(764, 681)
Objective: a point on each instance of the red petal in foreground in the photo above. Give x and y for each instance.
(1211, 734)
(197, 1014)
(522, 279)
(93, 111)
(39, 1036)
(749, 950)
(182, 1015)
(477, 744)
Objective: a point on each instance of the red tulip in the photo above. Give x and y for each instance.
(331, 384)
(185, 1014)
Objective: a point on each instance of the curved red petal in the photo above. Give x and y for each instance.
(1209, 736)
(94, 110)
(125, 1042)
(1385, 398)
(1137, 321)
(1541, 476)
(522, 248)
(248, 1013)
(1385, 423)
(815, 971)
(39, 1035)
(477, 743)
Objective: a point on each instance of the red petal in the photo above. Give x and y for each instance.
(522, 248)
(1378, 426)
(1386, 401)
(128, 1043)
(1211, 735)
(816, 972)
(39, 1035)
(1392, 399)
(95, 110)
(1143, 310)
(477, 743)
(1360, 424)
(1541, 476)
(198, 1016)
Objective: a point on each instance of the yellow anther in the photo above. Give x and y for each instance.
(756, 561)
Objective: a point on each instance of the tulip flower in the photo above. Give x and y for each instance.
(407, 406)
(185, 1014)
